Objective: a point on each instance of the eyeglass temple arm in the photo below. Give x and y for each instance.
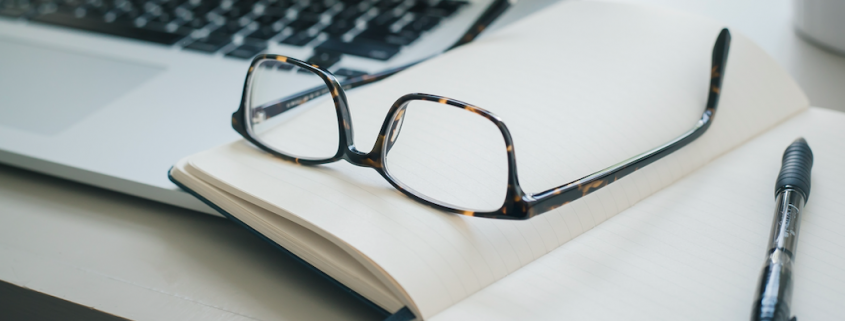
(484, 20)
(277, 107)
(496, 9)
(561, 195)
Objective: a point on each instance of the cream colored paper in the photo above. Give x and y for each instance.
(694, 250)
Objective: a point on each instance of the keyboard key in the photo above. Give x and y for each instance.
(209, 44)
(164, 18)
(117, 29)
(12, 11)
(351, 13)
(401, 38)
(340, 27)
(385, 5)
(128, 16)
(361, 47)
(304, 21)
(324, 59)
(315, 7)
(197, 23)
(446, 8)
(163, 27)
(423, 23)
(96, 9)
(268, 20)
(202, 9)
(348, 73)
(221, 34)
(167, 6)
(420, 7)
(384, 19)
(383, 34)
(299, 39)
(263, 34)
(247, 50)
(276, 10)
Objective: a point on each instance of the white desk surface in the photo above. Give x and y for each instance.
(142, 260)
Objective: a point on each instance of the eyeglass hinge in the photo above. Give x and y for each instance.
(258, 116)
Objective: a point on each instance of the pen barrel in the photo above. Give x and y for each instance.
(774, 290)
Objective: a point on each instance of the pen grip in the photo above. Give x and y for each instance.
(795, 168)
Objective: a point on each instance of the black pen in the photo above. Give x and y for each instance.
(792, 189)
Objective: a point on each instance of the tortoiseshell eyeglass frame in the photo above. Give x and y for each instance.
(517, 204)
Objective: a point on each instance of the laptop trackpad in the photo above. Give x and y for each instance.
(45, 90)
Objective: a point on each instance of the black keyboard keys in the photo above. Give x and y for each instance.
(361, 47)
(339, 27)
(348, 73)
(263, 34)
(115, 28)
(162, 27)
(375, 29)
(423, 23)
(299, 39)
(443, 9)
(247, 50)
(446, 8)
(401, 38)
(304, 21)
(11, 8)
(324, 59)
(210, 44)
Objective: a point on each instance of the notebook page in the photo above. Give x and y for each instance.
(694, 250)
(302, 242)
(625, 79)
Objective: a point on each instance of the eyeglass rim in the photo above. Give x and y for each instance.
(517, 204)
(241, 123)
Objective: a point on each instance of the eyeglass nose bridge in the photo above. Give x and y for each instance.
(386, 139)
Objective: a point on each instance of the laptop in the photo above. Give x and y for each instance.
(111, 93)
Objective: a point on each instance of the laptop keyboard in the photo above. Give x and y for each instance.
(375, 29)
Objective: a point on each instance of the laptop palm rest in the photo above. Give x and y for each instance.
(45, 91)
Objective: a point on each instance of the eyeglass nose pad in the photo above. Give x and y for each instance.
(396, 127)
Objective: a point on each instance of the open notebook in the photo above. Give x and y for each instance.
(581, 85)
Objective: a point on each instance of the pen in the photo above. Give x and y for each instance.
(792, 189)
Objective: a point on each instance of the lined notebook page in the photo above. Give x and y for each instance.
(581, 86)
(694, 250)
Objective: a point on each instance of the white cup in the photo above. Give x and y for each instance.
(821, 22)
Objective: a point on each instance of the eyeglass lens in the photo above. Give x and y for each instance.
(448, 155)
(281, 118)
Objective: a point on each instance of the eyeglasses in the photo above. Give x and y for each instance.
(293, 118)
